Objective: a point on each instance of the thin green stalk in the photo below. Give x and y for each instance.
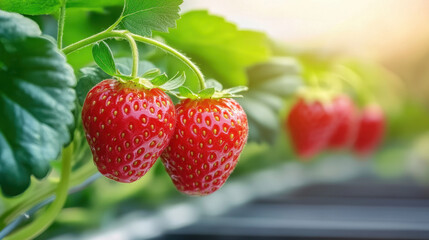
(123, 34)
(135, 53)
(176, 53)
(61, 21)
(91, 40)
(44, 221)
(111, 28)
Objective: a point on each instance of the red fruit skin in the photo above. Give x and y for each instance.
(346, 129)
(127, 128)
(370, 131)
(310, 125)
(209, 137)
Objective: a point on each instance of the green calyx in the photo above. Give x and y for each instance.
(154, 79)
(214, 90)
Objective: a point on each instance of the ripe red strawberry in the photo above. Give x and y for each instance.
(127, 128)
(209, 137)
(345, 132)
(310, 125)
(370, 130)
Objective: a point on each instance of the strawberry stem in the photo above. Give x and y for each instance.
(91, 40)
(175, 53)
(110, 33)
(135, 53)
(61, 21)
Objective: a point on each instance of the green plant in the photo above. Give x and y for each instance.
(42, 102)
(44, 156)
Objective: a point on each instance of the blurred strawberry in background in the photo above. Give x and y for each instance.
(370, 130)
(310, 125)
(345, 132)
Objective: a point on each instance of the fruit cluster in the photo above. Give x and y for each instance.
(315, 125)
(129, 127)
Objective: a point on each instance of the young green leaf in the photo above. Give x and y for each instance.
(152, 73)
(93, 3)
(103, 56)
(174, 83)
(223, 51)
(143, 16)
(206, 93)
(36, 103)
(31, 7)
(187, 93)
(159, 80)
(236, 89)
(269, 84)
(214, 84)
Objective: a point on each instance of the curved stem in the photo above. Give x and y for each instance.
(111, 28)
(176, 53)
(122, 34)
(90, 40)
(135, 53)
(61, 21)
(44, 221)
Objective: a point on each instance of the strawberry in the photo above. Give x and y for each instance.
(370, 130)
(127, 128)
(310, 125)
(208, 139)
(345, 132)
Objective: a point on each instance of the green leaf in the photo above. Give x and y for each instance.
(151, 73)
(30, 7)
(214, 84)
(270, 100)
(15, 29)
(187, 93)
(259, 112)
(159, 80)
(269, 84)
(236, 89)
(90, 76)
(171, 65)
(206, 93)
(103, 56)
(273, 68)
(143, 16)
(222, 51)
(36, 102)
(174, 83)
(93, 3)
